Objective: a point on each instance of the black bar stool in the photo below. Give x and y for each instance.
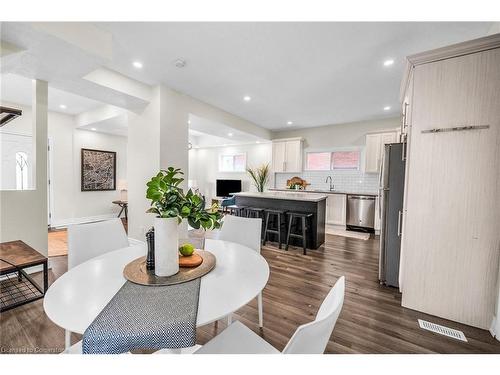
(278, 214)
(303, 219)
(236, 210)
(254, 212)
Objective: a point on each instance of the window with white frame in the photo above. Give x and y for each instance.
(232, 162)
(347, 160)
(21, 171)
(318, 161)
(332, 160)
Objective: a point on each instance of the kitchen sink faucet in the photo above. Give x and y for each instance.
(332, 186)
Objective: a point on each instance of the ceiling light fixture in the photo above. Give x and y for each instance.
(137, 64)
(230, 134)
(247, 98)
(93, 129)
(257, 141)
(388, 62)
(386, 108)
(179, 63)
(62, 106)
(289, 123)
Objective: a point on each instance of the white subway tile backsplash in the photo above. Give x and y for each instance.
(349, 181)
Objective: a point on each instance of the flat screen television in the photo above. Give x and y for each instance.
(225, 188)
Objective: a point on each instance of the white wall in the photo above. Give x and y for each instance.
(337, 137)
(143, 152)
(69, 204)
(204, 166)
(158, 137)
(340, 135)
(23, 214)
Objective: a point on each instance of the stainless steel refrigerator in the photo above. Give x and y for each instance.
(391, 190)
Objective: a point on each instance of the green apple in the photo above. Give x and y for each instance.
(186, 249)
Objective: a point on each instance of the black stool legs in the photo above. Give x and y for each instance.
(303, 220)
(277, 231)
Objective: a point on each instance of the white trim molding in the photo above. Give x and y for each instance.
(80, 220)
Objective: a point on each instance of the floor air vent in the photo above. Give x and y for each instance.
(442, 330)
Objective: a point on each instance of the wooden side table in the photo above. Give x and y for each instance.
(124, 207)
(17, 287)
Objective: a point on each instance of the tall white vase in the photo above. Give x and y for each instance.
(166, 246)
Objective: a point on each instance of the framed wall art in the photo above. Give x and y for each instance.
(98, 170)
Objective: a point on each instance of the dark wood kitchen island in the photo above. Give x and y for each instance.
(292, 202)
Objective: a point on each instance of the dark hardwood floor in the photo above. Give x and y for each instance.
(372, 319)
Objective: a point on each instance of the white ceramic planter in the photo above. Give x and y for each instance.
(166, 246)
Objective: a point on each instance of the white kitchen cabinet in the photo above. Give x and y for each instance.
(287, 155)
(336, 209)
(374, 149)
(372, 153)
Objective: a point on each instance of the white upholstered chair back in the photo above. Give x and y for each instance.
(312, 338)
(86, 241)
(242, 230)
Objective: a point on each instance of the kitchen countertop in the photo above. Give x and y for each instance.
(323, 192)
(286, 195)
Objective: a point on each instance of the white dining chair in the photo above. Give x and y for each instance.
(247, 232)
(310, 338)
(87, 241)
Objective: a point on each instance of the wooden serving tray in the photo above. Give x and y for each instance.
(137, 273)
(194, 260)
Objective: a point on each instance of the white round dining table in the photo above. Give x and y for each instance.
(75, 299)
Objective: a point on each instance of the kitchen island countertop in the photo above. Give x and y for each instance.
(288, 191)
(289, 195)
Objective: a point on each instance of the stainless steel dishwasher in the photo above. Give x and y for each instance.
(360, 211)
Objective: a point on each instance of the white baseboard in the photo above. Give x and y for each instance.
(495, 328)
(80, 220)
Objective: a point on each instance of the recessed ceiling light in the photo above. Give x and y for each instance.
(289, 123)
(386, 108)
(137, 64)
(179, 63)
(257, 141)
(230, 134)
(388, 62)
(62, 106)
(93, 129)
(247, 98)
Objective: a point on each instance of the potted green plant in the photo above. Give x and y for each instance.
(172, 205)
(260, 176)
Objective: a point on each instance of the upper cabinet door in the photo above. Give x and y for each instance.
(279, 156)
(287, 155)
(293, 156)
(372, 153)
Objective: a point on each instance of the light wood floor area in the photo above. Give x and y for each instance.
(372, 320)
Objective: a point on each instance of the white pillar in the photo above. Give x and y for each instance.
(157, 139)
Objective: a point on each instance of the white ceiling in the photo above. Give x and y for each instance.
(206, 133)
(309, 73)
(17, 89)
